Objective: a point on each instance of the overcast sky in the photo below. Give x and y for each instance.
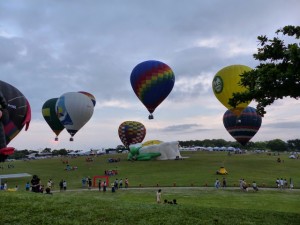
(48, 48)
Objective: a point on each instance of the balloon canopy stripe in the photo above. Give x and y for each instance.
(11, 131)
(242, 128)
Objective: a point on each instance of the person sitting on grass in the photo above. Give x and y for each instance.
(48, 191)
(254, 186)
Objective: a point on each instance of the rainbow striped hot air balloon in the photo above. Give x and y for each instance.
(152, 81)
(242, 128)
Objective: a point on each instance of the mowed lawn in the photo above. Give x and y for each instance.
(183, 180)
(197, 169)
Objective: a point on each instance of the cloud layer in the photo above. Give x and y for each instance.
(52, 47)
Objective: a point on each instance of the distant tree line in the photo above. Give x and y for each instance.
(20, 154)
(272, 145)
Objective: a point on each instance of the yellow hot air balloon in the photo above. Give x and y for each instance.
(226, 82)
(151, 142)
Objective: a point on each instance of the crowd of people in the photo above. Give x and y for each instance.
(244, 186)
(283, 183)
(118, 184)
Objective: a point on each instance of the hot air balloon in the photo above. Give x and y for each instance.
(152, 81)
(226, 82)
(74, 110)
(15, 114)
(49, 114)
(131, 132)
(242, 128)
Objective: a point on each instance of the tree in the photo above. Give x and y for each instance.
(294, 144)
(277, 75)
(60, 152)
(46, 150)
(277, 145)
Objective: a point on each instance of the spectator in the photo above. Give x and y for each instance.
(254, 186)
(83, 181)
(158, 196)
(104, 186)
(65, 185)
(27, 186)
(121, 183)
(99, 185)
(217, 183)
(48, 191)
(61, 185)
(224, 182)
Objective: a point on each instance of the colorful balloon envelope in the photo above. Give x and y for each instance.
(16, 115)
(74, 110)
(131, 132)
(92, 97)
(226, 82)
(152, 81)
(242, 128)
(49, 114)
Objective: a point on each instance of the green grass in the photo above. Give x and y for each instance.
(197, 204)
(139, 207)
(197, 170)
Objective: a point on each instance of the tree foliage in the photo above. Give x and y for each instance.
(277, 145)
(272, 145)
(277, 75)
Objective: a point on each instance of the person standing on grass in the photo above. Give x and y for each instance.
(99, 185)
(27, 186)
(291, 184)
(281, 183)
(104, 186)
(90, 183)
(224, 183)
(126, 183)
(65, 185)
(116, 184)
(217, 183)
(121, 183)
(61, 185)
(158, 196)
(83, 182)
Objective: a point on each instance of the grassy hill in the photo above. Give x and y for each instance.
(197, 204)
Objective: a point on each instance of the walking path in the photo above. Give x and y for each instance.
(182, 188)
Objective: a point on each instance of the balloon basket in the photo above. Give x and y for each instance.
(71, 139)
(56, 139)
(150, 117)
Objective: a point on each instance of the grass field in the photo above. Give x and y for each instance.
(197, 169)
(197, 204)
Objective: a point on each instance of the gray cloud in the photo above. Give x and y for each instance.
(284, 125)
(183, 128)
(52, 47)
